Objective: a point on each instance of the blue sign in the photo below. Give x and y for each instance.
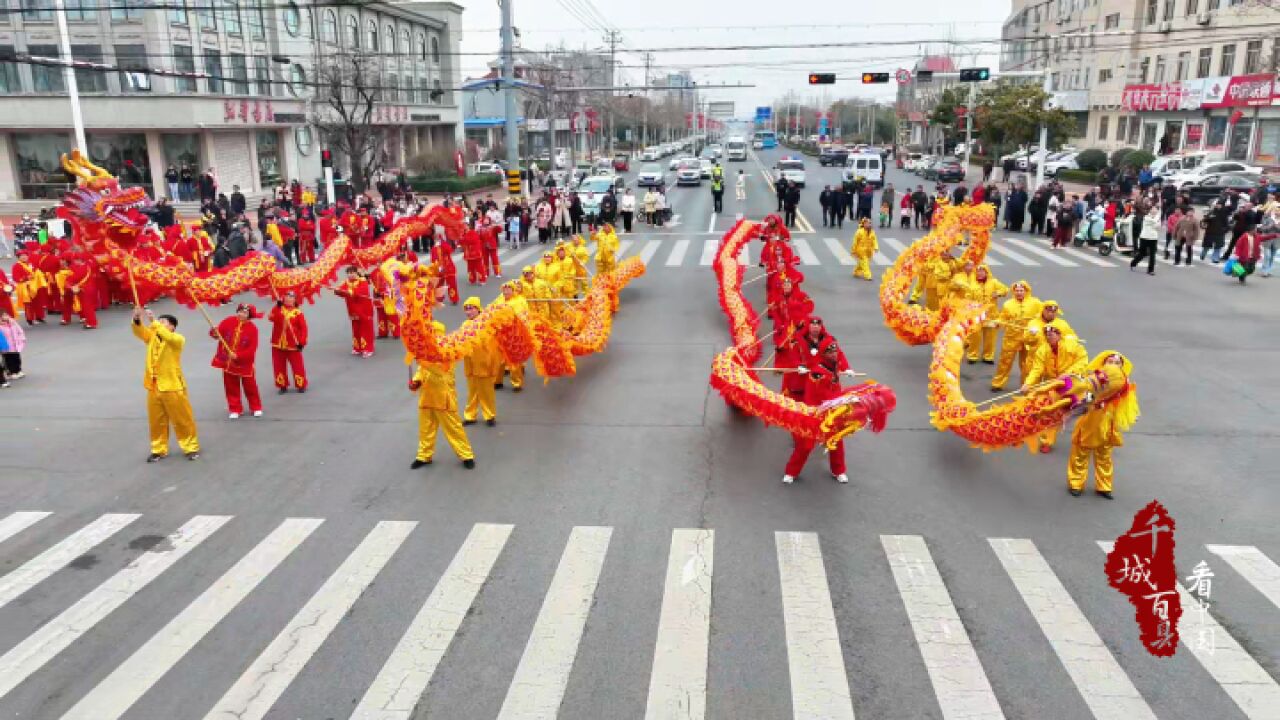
(764, 113)
(822, 128)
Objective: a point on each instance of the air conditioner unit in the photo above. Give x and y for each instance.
(1166, 26)
(1204, 18)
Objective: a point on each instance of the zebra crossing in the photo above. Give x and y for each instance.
(698, 250)
(819, 669)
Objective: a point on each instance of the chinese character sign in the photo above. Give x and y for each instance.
(1141, 566)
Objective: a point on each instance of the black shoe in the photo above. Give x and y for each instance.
(418, 463)
(282, 391)
(989, 362)
(1104, 493)
(469, 464)
(302, 390)
(1166, 254)
(498, 386)
(468, 422)
(1151, 273)
(973, 362)
(1074, 492)
(193, 456)
(491, 422)
(517, 389)
(154, 458)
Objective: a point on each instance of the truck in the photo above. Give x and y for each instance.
(735, 148)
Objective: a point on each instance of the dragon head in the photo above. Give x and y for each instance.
(98, 197)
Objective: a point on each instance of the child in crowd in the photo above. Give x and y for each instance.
(12, 342)
(905, 210)
(886, 215)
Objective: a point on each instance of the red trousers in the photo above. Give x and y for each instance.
(232, 384)
(475, 271)
(800, 455)
(491, 261)
(362, 334)
(34, 308)
(306, 247)
(388, 325)
(451, 282)
(52, 298)
(88, 307)
(285, 361)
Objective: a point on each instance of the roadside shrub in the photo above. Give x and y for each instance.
(1118, 156)
(1093, 160)
(1087, 177)
(1138, 158)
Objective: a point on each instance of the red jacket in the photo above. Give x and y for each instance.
(288, 328)
(442, 256)
(356, 293)
(822, 383)
(242, 337)
(472, 245)
(1249, 247)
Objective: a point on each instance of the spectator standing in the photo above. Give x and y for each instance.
(1185, 233)
(628, 209)
(208, 186)
(13, 340)
(171, 180)
(1148, 238)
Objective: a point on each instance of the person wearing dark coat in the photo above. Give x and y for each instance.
(791, 202)
(1016, 210)
(207, 186)
(866, 198)
(840, 206)
(575, 214)
(1038, 207)
(827, 202)
(781, 189)
(238, 203)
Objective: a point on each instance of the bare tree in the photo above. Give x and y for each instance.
(347, 89)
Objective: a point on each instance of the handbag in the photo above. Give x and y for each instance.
(1229, 267)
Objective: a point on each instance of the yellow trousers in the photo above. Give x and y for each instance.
(429, 421)
(171, 409)
(480, 395)
(863, 268)
(981, 341)
(917, 290)
(1078, 467)
(517, 375)
(1010, 349)
(932, 298)
(604, 265)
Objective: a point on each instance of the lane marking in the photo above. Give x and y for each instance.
(647, 253)
(58, 634)
(623, 247)
(959, 682)
(540, 679)
(678, 683)
(15, 523)
(709, 252)
(1254, 691)
(397, 690)
(841, 254)
(819, 684)
(1099, 678)
(1046, 254)
(712, 227)
(253, 694)
(1089, 257)
(39, 568)
(519, 255)
(806, 253)
(1255, 567)
(1015, 256)
(120, 690)
(895, 244)
(677, 253)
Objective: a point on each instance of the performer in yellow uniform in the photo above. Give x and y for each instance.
(512, 295)
(935, 281)
(167, 401)
(533, 289)
(1016, 313)
(986, 289)
(960, 286)
(1033, 334)
(1060, 354)
(581, 255)
(566, 282)
(606, 249)
(1100, 430)
(483, 368)
(864, 247)
(548, 272)
(438, 410)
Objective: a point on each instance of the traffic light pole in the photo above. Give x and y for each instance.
(968, 129)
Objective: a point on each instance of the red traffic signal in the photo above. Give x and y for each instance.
(822, 78)
(326, 158)
(870, 78)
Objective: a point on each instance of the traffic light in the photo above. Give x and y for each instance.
(869, 78)
(822, 78)
(326, 158)
(924, 76)
(975, 75)
(513, 182)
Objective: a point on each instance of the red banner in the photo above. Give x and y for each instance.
(1166, 97)
(1239, 91)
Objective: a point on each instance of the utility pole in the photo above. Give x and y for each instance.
(508, 89)
(613, 37)
(644, 121)
(968, 130)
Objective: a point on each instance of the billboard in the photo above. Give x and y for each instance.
(722, 109)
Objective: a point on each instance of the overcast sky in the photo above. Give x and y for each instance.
(902, 30)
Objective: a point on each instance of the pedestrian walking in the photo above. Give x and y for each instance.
(1148, 238)
(627, 209)
(740, 186)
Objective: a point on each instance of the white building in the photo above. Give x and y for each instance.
(248, 119)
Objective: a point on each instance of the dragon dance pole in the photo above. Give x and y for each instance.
(213, 327)
(133, 284)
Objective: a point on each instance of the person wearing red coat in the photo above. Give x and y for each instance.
(29, 282)
(329, 226)
(236, 351)
(489, 236)
(822, 383)
(6, 299)
(1248, 252)
(473, 253)
(360, 309)
(77, 283)
(442, 257)
(288, 338)
(50, 264)
(306, 236)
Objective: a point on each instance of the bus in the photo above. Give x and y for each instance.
(766, 139)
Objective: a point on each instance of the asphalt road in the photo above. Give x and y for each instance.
(597, 477)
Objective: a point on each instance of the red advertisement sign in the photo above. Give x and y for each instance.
(1195, 132)
(1239, 91)
(1165, 97)
(1141, 567)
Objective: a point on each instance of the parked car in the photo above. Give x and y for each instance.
(1194, 175)
(1166, 166)
(928, 167)
(485, 168)
(1210, 187)
(650, 176)
(949, 170)
(833, 155)
(622, 162)
(1060, 161)
(689, 172)
(912, 161)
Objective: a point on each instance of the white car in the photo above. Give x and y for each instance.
(1060, 161)
(757, 144)
(704, 167)
(593, 189)
(1194, 175)
(717, 150)
(790, 169)
(689, 172)
(675, 161)
(650, 154)
(650, 176)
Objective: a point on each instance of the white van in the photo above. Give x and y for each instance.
(867, 165)
(735, 149)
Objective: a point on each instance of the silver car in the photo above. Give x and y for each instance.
(689, 173)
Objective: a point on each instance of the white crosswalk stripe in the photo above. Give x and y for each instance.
(271, 673)
(1104, 685)
(57, 557)
(543, 672)
(956, 659)
(623, 247)
(894, 243)
(804, 251)
(676, 257)
(651, 247)
(1254, 691)
(840, 253)
(58, 634)
(1089, 257)
(709, 248)
(1046, 254)
(1014, 256)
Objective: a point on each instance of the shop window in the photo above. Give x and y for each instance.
(46, 78)
(1268, 152)
(1238, 144)
(184, 61)
(268, 142)
(1216, 136)
(39, 156)
(182, 149)
(123, 155)
(89, 81)
(10, 80)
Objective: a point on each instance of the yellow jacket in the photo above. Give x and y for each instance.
(864, 242)
(1097, 428)
(988, 293)
(1017, 315)
(438, 388)
(1070, 358)
(1033, 335)
(485, 361)
(164, 358)
(961, 286)
(581, 253)
(517, 302)
(937, 273)
(606, 245)
(548, 272)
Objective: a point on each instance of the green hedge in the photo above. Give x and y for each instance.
(454, 184)
(1093, 160)
(1087, 177)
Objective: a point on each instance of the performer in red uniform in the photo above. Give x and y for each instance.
(31, 287)
(822, 383)
(306, 235)
(442, 257)
(6, 299)
(77, 282)
(50, 264)
(473, 253)
(288, 338)
(360, 309)
(236, 350)
(489, 237)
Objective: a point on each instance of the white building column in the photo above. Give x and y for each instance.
(255, 174)
(9, 189)
(157, 165)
